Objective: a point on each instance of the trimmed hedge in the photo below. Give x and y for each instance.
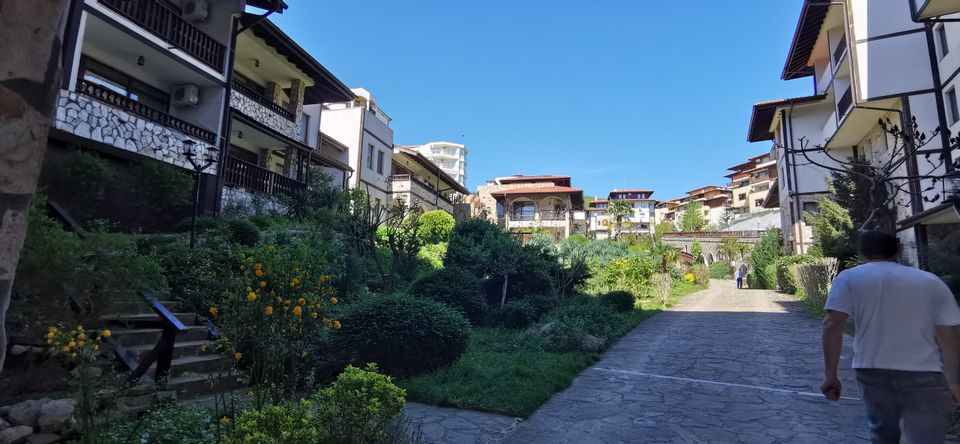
(403, 335)
(456, 288)
(786, 278)
(622, 301)
(518, 314)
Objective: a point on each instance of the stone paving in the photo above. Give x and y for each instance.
(725, 365)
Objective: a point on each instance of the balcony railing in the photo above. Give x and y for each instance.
(269, 104)
(244, 174)
(553, 215)
(110, 97)
(522, 217)
(845, 103)
(168, 25)
(840, 50)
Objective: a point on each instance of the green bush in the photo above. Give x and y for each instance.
(261, 221)
(785, 278)
(433, 254)
(161, 193)
(243, 232)
(78, 181)
(198, 276)
(456, 288)
(517, 314)
(621, 301)
(358, 405)
(435, 227)
(814, 279)
(470, 246)
(170, 423)
(720, 270)
(566, 328)
(289, 423)
(763, 255)
(701, 274)
(769, 277)
(404, 335)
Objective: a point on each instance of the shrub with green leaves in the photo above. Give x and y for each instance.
(814, 279)
(404, 335)
(287, 423)
(243, 232)
(456, 288)
(763, 255)
(701, 274)
(567, 327)
(357, 407)
(433, 254)
(167, 423)
(621, 301)
(720, 270)
(517, 314)
(435, 227)
(786, 279)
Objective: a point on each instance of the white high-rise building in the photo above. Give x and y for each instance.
(450, 157)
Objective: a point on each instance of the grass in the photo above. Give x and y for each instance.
(507, 371)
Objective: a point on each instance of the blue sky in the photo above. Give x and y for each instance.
(615, 93)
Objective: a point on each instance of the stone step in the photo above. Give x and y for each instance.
(180, 349)
(204, 364)
(198, 386)
(147, 320)
(130, 337)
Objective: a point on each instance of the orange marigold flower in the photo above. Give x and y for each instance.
(337, 325)
(333, 300)
(301, 301)
(237, 355)
(286, 303)
(214, 311)
(263, 284)
(105, 333)
(251, 296)
(259, 273)
(297, 311)
(268, 310)
(314, 315)
(294, 282)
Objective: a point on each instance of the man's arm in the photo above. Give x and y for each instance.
(833, 326)
(950, 351)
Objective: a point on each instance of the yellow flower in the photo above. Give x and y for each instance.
(268, 310)
(322, 278)
(249, 393)
(237, 355)
(214, 311)
(224, 420)
(258, 266)
(82, 336)
(251, 296)
(301, 301)
(49, 341)
(105, 333)
(270, 247)
(79, 327)
(259, 273)
(96, 348)
(249, 288)
(337, 325)
(66, 348)
(49, 335)
(82, 343)
(279, 299)
(294, 282)
(203, 348)
(263, 284)
(52, 329)
(72, 344)
(314, 315)
(297, 311)
(333, 300)
(73, 356)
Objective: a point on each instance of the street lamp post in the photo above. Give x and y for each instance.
(209, 155)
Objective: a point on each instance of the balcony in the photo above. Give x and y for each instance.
(415, 192)
(553, 215)
(252, 177)
(840, 51)
(264, 111)
(269, 104)
(845, 103)
(166, 23)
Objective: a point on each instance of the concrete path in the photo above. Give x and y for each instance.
(723, 366)
(435, 424)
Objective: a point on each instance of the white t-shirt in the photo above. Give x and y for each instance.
(895, 309)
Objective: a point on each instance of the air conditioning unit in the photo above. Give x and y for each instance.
(185, 95)
(196, 10)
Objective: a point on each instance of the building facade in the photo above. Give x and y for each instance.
(750, 183)
(714, 200)
(529, 204)
(450, 157)
(642, 220)
(598, 219)
(418, 181)
(869, 60)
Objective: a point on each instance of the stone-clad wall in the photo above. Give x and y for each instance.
(86, 117)
(264, 115)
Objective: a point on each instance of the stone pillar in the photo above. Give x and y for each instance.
(290, 162)
(297, 90)
(274, 92)
(264, 158)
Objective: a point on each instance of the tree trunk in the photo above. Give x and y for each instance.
(32, 32)
(503, 293)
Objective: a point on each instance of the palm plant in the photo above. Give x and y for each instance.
(618, 209)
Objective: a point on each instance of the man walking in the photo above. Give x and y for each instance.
(905, 348)
(739, 277)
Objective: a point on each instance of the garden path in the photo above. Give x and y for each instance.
(724, 365)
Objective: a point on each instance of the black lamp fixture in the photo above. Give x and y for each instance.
(240, 134)
(256, 63)
(209, 157)
(141, 61)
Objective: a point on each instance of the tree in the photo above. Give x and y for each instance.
(31, 78)
(618, 209)
(435, 227)
(665, 227)
(764, 254)
(834, 234)
(696, 250)
(367, 224)
(693, 219)
(479, 246)
(731, 248)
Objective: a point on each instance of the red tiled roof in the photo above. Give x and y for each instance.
(537, 190)
(632, 191)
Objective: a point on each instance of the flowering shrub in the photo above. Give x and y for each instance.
(273, 322)
(285, 423)
(631, 273)
(358, 405)
(701, 274)
(78, 348)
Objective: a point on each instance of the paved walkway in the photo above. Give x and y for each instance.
(723, 366)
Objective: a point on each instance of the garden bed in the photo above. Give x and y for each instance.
(509, 372)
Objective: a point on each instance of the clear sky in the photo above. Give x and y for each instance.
(615, 93)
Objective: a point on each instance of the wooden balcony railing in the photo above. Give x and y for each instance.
(269, 104)
(168, 25)
(127, 104)
(244, 174)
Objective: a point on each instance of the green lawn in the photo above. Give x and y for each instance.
(506, 371)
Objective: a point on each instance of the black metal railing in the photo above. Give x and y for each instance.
(553, 215)
(845, 103)
(127, 104)
(162, 353)
(259, 98)
(244, 174)
(168, 25)
(840, 50)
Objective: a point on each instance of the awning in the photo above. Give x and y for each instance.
(773, 197)
(763, 113)
(323, 159)
(812, 15)
(928, 9)
(269, 131)
(948, 212)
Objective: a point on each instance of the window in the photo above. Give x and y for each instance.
(95, 72)
(379, 162)
(758, 203)
(953, 109)
(742, 196)
(370, 157)
(811, 207)
(523, 210)
(941, 33)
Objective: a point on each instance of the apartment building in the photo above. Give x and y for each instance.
(598, 219)
(666, 211)
(450, 157)
(642, 220)
(714, 200)
(528, 204)
(417, 180)
(364, 128)
(750, 183)
(276, 100)
(869, 60)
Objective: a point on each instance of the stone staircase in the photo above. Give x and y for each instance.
(196, 371)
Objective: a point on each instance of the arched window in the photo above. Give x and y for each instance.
(523, 210)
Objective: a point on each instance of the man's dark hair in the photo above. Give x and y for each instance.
(878, 245)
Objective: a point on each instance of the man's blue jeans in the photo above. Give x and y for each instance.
(916, 405)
